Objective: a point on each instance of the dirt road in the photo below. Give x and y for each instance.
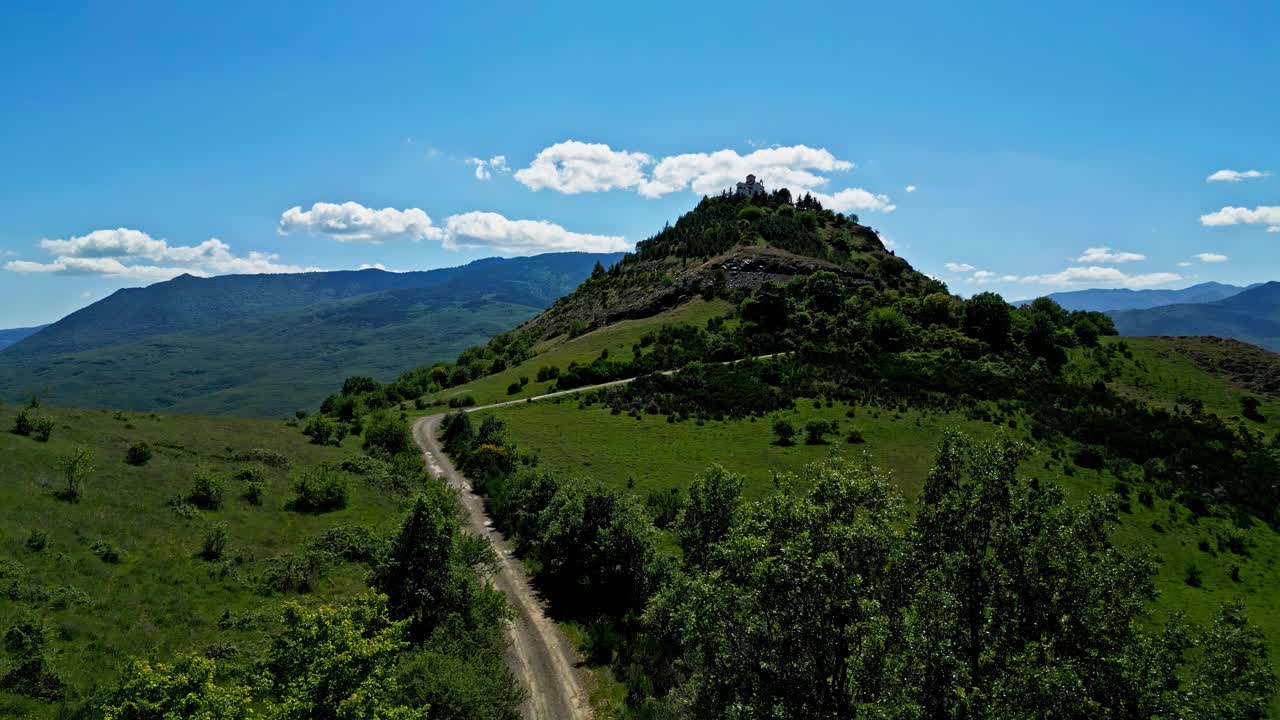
(542, 658)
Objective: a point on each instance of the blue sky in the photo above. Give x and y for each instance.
(133, 135)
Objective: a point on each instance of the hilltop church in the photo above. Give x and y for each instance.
(751, 187)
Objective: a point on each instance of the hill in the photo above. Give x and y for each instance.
(263, 345)
(13, 335)
(1108, 299)
(1252, 316)
(754, 338)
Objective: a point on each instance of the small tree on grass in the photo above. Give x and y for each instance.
(138, 454)
(215, 542)
(816, 431)
(206, 490)
(319, 489)
(42, 429)
(76, 468)
(23, 424)
(785, 432)
(324, 431)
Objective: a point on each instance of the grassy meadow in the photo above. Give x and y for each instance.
(559, 352)
(158, 596)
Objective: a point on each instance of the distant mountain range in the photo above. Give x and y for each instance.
(267, 344)
(13, 335)
(1251, 316)
(1106, 300)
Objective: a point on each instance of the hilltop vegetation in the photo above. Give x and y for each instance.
(827, 340)
(166, 347)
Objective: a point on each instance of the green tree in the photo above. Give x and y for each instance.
(784, 432)
(185, 688)
(387, 433)
(713, 506)
(338, 663)
(420, 575)
(76, 468)
(987, 318)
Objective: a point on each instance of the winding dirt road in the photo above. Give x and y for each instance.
(542, 658)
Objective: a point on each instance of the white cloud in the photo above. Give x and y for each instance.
(910, 188)
(1185, 263)
(960, 267)
(1211, 258)
(1236, 175)
(1097, 275)
(353, 222)
(486, 168)
(576, 167)
(793, 167)
(984, 276)
(487, 230)
(573, 167)
(1260, 215)
(1008, 278)
(1107, 255)
(372, 266)
(135, 255)
(854, 199)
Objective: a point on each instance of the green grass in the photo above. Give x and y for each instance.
(559, 352)
(161, 598)
(1161, 373)
(652, 454)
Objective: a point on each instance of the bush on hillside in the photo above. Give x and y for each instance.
(206, 489)
(324, 431)
(784, 432)
(319, 489)
(138, 454)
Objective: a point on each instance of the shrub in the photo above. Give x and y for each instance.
(29, 673)
(1249, 407)
(41, 429)
(215, 542)
(664, 506)
(548, 372)
(23, 424)
(253, 492)
(387, 433)
(300, 414)
(37, 541)
(514, 388)
(784, 431)
(270, 458)
(816, 431)
(1193, 577)
(356, 543)
(206, 489)
(855, 437)
(76, 468)
(295, 573)
(1145, 497)
(106, 552)
(319, 489)
(464, 401)
(138, 454)
(324, 431)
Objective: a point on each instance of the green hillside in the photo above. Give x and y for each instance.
(820, 341)
(266, 345)
(129, 570)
